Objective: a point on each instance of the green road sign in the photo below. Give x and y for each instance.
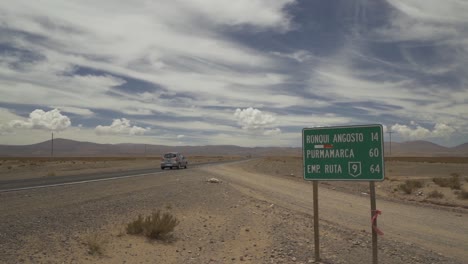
(353, 153)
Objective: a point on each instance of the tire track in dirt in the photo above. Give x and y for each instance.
(432, 229)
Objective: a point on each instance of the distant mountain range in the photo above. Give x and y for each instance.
(71, 148)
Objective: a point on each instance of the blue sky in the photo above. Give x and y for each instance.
(248, 73)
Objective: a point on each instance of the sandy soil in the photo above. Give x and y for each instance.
(396, 173)
(258, 213)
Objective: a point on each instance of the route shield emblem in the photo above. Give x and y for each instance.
(354, 168)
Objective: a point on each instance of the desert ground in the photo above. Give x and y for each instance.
(260, 211)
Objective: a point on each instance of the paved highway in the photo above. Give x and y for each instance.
(34, 183)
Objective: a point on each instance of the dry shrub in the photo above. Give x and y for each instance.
(452, 182)
(135, 227)
(409, 186)
(95, 244)
(435, 194)
(155, 226)
(463, 195)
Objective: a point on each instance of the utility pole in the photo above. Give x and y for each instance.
(390, 132)
(52, 146)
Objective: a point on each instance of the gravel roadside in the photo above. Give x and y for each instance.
(219, 223)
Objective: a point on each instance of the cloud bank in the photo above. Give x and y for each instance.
(52, 120)
(254, 120)
(419, 132)
(184, 67)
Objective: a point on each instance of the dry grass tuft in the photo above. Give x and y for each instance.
(463, 195)
(409, 186)
(155, 226)
(95, 245)
(435, 194)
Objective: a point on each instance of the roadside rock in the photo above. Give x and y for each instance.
(213, 180)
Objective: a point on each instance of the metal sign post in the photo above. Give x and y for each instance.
(374, 223)
(316, 223)
(352, 153)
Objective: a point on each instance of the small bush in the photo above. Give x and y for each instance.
(435, 194)
(51, 174)
(10, 167)
(463, 195)
(135, 227)
(155, 226)
(409, 186)
(453, 182)
(95, 245)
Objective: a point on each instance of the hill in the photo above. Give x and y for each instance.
(418, 148)
(71, 148)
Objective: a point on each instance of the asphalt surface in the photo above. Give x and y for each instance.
(24, 184)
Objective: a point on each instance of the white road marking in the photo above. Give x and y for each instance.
(107, 179)
(77, 182)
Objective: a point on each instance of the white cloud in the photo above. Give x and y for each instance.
(412, 133)
(5, 129)
(121, 127)
(385, 129)
(340, 83)
(419, 132)
(180, 136)
(74, 35)
(76, 110)
(439, 25)
(426, 20)
(299, 56)
(313, 120)
(183, 47)
(254, 120)
(260, 13)
(272, 132)
(443, 130)
(52, 120)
